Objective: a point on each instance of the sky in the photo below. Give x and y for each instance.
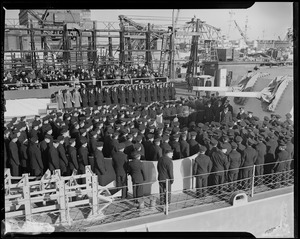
(266, 20)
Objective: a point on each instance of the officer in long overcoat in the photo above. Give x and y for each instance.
(137, 173)
(165, 172)
(35, 157)
(201, 169)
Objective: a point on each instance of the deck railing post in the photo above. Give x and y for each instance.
(167, 197)
(253, 181)
(26, 195)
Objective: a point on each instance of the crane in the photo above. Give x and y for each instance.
(241, 32)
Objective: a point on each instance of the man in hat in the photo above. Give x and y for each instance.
(242, 114)
(261, 150)
(209, 115)
(175, 145)
(108, 142)
(129, 94)
(234, 160)
(249, 158)
(63, 161)
(92, 142)
(99, 168)
(72, 156)
(165, 175)
(34, 129)
(213, 145)
(280, 164)
(128, 144)
(240, 146)
(220, 165)
(84, 97)
(154, 150)
(83, 155)
(226, 116)
(194, 146)
(114, 95)
(273, 120)
(119, 160)
(23, 156)
(184, 146)
(44, 147)
(148, 145)
(91, 97)
(217, 110)
(14, 160)
(165, 144)
(35, 157)
(226, 144)
(201, 169)
(53, 157)
(272, 145)
(137, 173)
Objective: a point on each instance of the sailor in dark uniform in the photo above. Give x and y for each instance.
(137, 173)
(72, 154)
(120, 161)
(165, 172)
(35, 157)
(84, 97)
(194, 146)
(91, 97)
(99, 97)
(184, 146)
(249, 158)
(100, 168)
(53, 156)
(175, 145)
(14, 160)
(234, 160)
(261, 149)
(220, 166)
(83, 155)
(201, 169)
(129, 95)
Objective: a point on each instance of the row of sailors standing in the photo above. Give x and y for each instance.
(121, 94)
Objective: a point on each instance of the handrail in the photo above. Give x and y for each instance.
(21, 84)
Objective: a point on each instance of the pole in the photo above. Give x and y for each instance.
(253, 177)
(121, 56)
(167, 198)
(94, 43)
(172, 70)
(33, 56)
(148, 46)
(110, 53)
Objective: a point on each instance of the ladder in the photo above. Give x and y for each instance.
(165, 53)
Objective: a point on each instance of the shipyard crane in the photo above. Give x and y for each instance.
(241, 32)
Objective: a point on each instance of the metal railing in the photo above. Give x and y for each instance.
(120, 209)
(101, 83)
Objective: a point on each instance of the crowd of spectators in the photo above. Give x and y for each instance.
(31, 79)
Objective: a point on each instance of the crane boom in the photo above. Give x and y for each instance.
(241, 32)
